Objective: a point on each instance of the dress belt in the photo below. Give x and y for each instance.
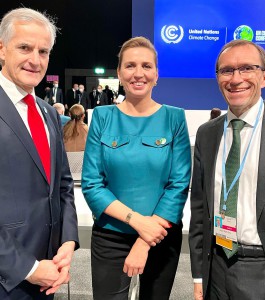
(250, 251)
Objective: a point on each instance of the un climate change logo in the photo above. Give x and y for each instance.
(243, 32)
(172, 34)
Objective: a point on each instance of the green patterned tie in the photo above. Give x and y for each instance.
(231, 167)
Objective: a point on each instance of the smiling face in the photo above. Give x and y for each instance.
(241, 92)
(25, 58)
(138, 73)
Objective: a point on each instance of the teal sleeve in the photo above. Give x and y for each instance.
(171, 204)
(97, 196)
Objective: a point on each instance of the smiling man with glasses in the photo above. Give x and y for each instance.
(229, 183)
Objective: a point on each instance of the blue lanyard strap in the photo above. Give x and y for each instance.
(225, 191)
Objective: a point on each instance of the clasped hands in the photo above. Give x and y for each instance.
(151, 230)
(51, 274)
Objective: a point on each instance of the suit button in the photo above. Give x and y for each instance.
(114, 144)
(3, 280)
(158, 142)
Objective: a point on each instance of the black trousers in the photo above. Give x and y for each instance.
(109, 250)
(237, 278)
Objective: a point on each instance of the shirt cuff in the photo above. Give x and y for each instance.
(34, 268)
(197, 280)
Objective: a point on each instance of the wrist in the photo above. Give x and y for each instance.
(143, 243)
(128, 217)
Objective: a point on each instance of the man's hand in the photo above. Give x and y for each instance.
(198, 292)
(62, 260)
(136, 259)
(45, 274)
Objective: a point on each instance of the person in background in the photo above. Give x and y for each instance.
(228, 183)
(75, 131)
(47, 94)
(38, 222)
(136, 174)
(71, 96)
(109, 94)
(215, 113)
(60, 109)
(101, 97)
(83, 97)
(56, 94)
(93, 96)
(84, 100)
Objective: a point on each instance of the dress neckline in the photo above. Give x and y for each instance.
(137, 117)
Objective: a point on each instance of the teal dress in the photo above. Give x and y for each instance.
(144, 162)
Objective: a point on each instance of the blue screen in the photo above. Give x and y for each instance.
(188, 35)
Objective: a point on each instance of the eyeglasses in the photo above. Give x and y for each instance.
(244, 71)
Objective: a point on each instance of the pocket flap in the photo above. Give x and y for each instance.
(156, 141)
(114, 141)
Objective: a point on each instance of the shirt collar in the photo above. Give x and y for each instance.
(14, 92)
(249, 116)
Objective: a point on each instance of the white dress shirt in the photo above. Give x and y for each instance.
(246, 205)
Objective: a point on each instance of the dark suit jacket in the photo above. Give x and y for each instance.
(110, 95)
(84, 100)
(102, 98)
(201, 237)
(59, 96)
(71, 98)
(35, 217)
(92, 99)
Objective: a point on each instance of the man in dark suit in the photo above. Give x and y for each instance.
(83, 97)
(56, 94)
(101, 98)
(93, 96)
(109, 94)
(38, 222)
(84, 100)
(71, 97)
(229, 262)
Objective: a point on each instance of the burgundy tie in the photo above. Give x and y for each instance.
(39, 135)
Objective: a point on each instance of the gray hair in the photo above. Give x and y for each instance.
(27, 15)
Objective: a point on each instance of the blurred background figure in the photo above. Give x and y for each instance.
(84, 100)
(101, 98)
(215, 113)
(56, 94)
(71, 96)
(83, 97)
(60, 109)
(47, 93)
(93, 96)
(109, 94)
(75, 131)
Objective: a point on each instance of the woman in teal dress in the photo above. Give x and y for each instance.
(136, 175)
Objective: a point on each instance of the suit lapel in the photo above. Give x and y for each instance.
(261, 173)
(214, 137)
(11, 117)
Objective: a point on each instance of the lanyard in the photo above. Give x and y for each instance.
(225, 191)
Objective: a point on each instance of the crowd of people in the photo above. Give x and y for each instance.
(136, 175)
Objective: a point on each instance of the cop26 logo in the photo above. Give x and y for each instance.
(172, 34)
